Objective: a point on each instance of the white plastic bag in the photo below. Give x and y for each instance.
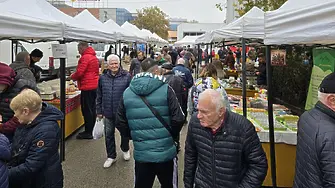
(98, 130)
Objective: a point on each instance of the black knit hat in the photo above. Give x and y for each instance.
(36, 53)
(328, 84)
(147, 64)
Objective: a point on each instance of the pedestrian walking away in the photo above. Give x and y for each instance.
(150, 114)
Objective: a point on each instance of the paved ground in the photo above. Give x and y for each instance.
(83, 167)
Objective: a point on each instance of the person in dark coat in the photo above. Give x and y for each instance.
(174, 55)
(35, 56)
(178, 86)
(21, 67)
(109, 52)
(111, 87)
(154, 147)
(315, 159)
(4, 157)
(135, 65)
(10, 86)
(222, 148)
(261, 73)
(35, 159)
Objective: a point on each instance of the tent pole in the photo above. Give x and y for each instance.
(12, 43)
(115, 48)
(211, 53)
(199, 63)
(120, 49)
(244, 78)
(62, 105)
(270, 115)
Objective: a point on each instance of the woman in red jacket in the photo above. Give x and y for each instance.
(87, 76)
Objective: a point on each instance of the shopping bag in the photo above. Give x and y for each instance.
(98, 130)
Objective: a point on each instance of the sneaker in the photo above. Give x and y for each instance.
(83, 135)
(108, 163)
(126, 156)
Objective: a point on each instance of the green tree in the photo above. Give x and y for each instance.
(153, 19)
(243, 6)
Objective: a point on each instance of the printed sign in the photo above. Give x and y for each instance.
(324, 61)
(59, 51)
(278, 57)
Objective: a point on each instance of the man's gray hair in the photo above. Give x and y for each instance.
(216, 98)
(323, 96)
(21, 56)
(181, 61)
(113, 57)
(83, 44)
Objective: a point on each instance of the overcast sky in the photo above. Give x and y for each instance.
(203, 11)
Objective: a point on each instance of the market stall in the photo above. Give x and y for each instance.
(285, 134)
(50, 93)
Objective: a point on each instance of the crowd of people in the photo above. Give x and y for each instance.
(149, 105)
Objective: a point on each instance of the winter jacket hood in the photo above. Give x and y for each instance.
(49, 113)
(17, 65)
(23, 71)
(144, 84)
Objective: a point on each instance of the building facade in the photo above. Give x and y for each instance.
(119, 15)
(231, 14)
(196, 29)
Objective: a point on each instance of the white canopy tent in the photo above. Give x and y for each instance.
(121, 33)
(249, 26)
(301, 22)
(41, 9)
(16, 26)
(86, 18)
(187, 40)
(132, 28)
(160, 39)
(149, 36)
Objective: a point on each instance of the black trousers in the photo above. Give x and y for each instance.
(88, 109)
(167, 174)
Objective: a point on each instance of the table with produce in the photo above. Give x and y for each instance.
(50, 93)
(285, 126)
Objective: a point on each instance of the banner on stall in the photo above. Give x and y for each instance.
(324, 63)
(278, 57)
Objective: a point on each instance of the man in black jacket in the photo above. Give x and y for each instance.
(315, 161)
(261, 73)
(222, 148)
(178, 86)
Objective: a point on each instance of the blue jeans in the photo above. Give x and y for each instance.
(110, 138)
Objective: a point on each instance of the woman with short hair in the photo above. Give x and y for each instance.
(35, 162)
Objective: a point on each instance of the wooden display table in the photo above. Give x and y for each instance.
(238, 91)
(285, 164)
(73, 116)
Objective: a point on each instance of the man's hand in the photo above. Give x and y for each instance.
(99, 116)
(257, 73)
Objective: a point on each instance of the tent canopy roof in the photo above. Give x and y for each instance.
(301, 22)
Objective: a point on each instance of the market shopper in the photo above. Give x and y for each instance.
(35, 56)
(261, 73)
(209, 80)
(21, 67)
(87, 76)
(35, 161)
(110, 89)
(177, 84)
(153, 135)
(135, 65)
(166, 55)
(222, 148)
(315, 161)
(5, 155)
(9, 88)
